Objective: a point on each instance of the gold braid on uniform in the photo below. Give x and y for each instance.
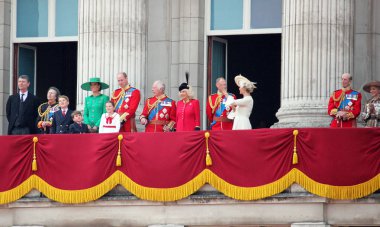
(217, 101)
(340, 98)
(122, 92)
(118, 96)
(151, 106)
(45, 112)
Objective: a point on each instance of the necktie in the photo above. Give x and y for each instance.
(64, 113)
(22, 98)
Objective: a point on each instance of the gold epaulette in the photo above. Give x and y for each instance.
(151, 106)
(340, 98)
(116, 98)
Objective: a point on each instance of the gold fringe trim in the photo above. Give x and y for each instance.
(176, 193)
(78, 196)
(17, 192)
(250, 193)
(165, 194)
(337, 192)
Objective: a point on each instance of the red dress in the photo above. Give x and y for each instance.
(126, 102)
(159, 111)
(348, 101)
(188, 115)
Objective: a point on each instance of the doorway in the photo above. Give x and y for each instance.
(48, 64)
(257, 57)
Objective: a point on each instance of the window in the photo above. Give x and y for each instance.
(45, 20)
(238, 17)
(32, 18)
(66, 22)
(226, 14)
(266, 14)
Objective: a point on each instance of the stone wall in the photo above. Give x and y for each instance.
(317, 48)
(367, 43)
(111, 39)
(206, 207)
(5, 76)
(175, 45)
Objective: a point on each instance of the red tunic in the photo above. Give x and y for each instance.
(159, 111)
(348, 101)
(188, 115)
(126, 102)
(217, 112)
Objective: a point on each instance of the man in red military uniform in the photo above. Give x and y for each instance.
(344, 105)
(126, 100)
(159, 111)
(216, 109)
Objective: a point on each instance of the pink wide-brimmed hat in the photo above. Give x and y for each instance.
(368, 86)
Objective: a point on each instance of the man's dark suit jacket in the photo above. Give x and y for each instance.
(29, 113)
(78, 129)
(61, 123)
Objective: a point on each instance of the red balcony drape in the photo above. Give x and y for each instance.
(246, 165)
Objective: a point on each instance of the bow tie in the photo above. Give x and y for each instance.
(109, 120)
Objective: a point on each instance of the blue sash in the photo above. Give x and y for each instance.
(348, 98)
(127, 94)
(220, 110)
(160, 106)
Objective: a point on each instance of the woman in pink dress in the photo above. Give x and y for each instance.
(188, 111)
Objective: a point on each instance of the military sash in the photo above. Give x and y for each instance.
(126, 95)
(219, 111)
(347, 100)
(160, 104)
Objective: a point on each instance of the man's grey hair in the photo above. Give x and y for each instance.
(160, 85)
(25, 77)
(347, 74)
(219, 79)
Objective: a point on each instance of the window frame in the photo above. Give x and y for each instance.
(246, 23)
(51, 27)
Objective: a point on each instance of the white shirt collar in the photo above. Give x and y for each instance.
(25, 95)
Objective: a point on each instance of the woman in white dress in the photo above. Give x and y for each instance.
(110, 121)
(242, 108)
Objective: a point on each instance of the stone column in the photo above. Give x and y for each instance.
(175, 43)
(187, 42)
(112, 38)
(367, 43)
(317, 48)
(5, 88)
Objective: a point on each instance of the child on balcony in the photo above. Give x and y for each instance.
(78, 127)
(62, 118)
(110, 121)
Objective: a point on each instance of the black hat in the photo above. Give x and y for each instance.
(185, 85)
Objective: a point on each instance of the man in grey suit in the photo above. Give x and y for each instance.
(22, 109)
